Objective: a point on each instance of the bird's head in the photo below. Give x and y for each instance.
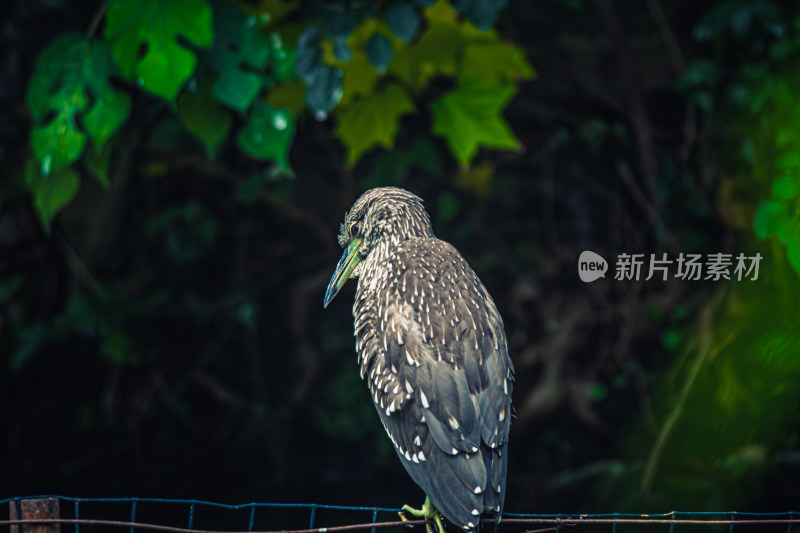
(380, 219)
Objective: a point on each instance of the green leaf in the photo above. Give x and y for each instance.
(203, 116)
(323, 82)
(359, 77)
(144, 38)
(283, 60)
(325, 91)
(788, 231)
(342, 51)
(494, 63)
(404, 21)
(309, 54)
(484, 13)
(51, 193)
(71, 81)
(373, 121)
(379, 51)
(793, 251)
(788, 161)
(437, 51)
(239, 56)
(787, 186)
(268, 134)
(339, 25)
(469, 117)
(97, 160)
(288, 95)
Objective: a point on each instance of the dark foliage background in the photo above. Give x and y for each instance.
(166, 337)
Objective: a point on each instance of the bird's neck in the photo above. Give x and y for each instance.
(373, 263)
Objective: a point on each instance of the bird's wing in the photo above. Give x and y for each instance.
(444, 391)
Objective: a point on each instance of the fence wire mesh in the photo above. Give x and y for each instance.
(92, 515)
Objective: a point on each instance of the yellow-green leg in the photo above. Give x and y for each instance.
(428, 512)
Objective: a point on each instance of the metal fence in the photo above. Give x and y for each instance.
(52, 514)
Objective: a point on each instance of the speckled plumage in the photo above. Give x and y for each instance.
(433, 352)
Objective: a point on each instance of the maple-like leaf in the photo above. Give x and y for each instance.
(470, 116)
(373, 121)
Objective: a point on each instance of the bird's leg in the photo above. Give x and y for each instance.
(428, 512)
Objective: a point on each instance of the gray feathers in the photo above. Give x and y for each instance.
(433, 352)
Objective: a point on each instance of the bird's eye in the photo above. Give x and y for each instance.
(355, 229)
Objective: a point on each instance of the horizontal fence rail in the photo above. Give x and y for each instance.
(44, 514)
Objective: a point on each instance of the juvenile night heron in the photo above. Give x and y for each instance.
(432, 349)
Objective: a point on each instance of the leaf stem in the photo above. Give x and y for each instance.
(98, 16)
(706, 339)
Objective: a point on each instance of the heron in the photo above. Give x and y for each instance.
(433, 352)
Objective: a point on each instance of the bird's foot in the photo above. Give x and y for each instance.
(428, 512)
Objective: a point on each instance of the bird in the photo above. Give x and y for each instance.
(433, 352)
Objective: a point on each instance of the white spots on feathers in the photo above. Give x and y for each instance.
(477, 490)
(453, 423)
(417, 441)
(475, 512)
(502, 415)
(421, 455)
(373, 283)
(424, 400)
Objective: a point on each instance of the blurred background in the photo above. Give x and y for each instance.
(174, 173)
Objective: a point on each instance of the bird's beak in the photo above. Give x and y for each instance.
(347, 263)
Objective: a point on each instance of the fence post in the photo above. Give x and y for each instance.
(35, 509)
